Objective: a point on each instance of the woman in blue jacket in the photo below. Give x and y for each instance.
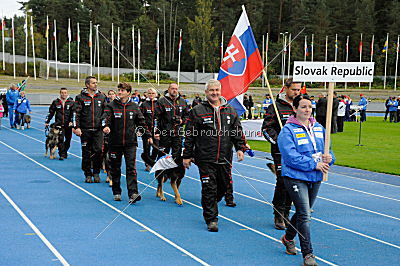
(301, 143)
(21, 108)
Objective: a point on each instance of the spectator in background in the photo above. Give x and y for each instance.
(1, 112)
(387, 107)
(110, 96)
(136, 97)
(246, 104)
(249, 108)
(340, 114)
(363, 105)
(314, 106)
(335, 107)
(393, 104)
(398, 109)
(320, 113)
(196, 100)
(21, 108)
(11, 96)
(3, 100)
(348, 102)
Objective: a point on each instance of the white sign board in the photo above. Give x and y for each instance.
(333, 71)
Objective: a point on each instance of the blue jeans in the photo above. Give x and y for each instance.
(303, 195)
(11, 114)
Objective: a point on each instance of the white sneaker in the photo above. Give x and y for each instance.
(22, 128)
(18, 127)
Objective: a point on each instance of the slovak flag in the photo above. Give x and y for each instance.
(241, 64)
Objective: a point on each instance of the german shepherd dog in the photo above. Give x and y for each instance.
(27, 121)
(175, 175)
(52, 140)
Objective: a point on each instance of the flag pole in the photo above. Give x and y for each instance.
(138, 64)
(372, 55)
(397, 61)
(13, 41)
(179, 56)
(305, 48)
(33, 50)
(69, 47)
(78, 40)
(326, 54)
(91, 49)
(3, 43)
(158, 58)
(266, 55)
(360, 50)
(284, 56)
(112, 51)
(47, 48)
(26, 44)
(55, 47)
(312, 49)
(98, 51)
(272, 98)
(222, 46)
(118, 44)
(386, 52)
(133, 53)
(289, 51)
(336, 48)
(263, 58)
(347, 57)
(328, 122)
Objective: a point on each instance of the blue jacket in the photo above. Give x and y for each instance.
(11, 96)
(22, 105)
(297, 149)
(393, 105)
(363, 102)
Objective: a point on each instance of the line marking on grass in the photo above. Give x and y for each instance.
(33, 226)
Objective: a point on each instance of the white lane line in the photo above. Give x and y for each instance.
(316, 219)
(261, 168)
(112, 207)
(34, 228)
(154, 188)
(271, 184)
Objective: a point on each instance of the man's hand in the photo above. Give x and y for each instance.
(323, 167)
(150, 141)
(157, 136)
(240, 156)
(187, 163)
(106, 130)
(78, 132)
(326, 158)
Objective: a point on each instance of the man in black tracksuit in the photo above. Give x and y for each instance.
(122, 119)
(271, 129)
(171, 113)
(62, 108)
(89, 109)
(148, 108)
(213, 128)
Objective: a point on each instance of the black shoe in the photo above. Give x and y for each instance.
(231, 204)
(212, 227)
(96, 178)
(134, 197)
(88, 179)
(309, 260)
(290, 245)
(279, 223)
(61, 158)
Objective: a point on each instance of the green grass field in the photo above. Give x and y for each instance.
(380, 153)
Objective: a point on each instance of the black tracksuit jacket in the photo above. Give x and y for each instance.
(210, 134)
(63, 114)
(124, 120)
(89, 110)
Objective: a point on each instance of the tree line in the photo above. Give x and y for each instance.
(202, 23)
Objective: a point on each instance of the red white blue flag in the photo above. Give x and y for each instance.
(180, 42)
(241, 63)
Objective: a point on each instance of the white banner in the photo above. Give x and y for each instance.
(252, 129)
(333, 71)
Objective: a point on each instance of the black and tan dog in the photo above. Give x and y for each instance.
(175, 175)
(52, 139)
(27, 121)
